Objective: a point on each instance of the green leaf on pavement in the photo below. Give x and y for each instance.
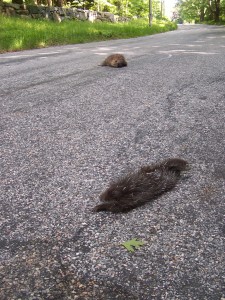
(132, 245)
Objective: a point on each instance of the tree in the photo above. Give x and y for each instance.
(139, 8)
(214, 7)
(190, 9)
(200, 9)
(84, 4)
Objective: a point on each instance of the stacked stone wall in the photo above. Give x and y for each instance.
(56, 13)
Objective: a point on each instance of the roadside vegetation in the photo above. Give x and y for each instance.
(19, 34)
(200, 11)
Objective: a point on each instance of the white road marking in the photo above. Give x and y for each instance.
(14, 56)
(189, 52)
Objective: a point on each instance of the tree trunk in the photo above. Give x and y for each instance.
(217, 11)
(60, 3)
(202, 14)
(214, 7)
(17, 1)
(49, 3)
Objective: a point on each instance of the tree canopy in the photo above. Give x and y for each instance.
(201, 10)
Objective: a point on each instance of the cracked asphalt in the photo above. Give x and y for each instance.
(68, 127)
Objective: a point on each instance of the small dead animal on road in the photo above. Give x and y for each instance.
(142, 186)
(115, 61)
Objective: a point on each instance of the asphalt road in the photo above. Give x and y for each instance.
(69, 126)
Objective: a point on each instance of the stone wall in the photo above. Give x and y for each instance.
(56, 13)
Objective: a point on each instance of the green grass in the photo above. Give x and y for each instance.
(221, 22)
(20, 34)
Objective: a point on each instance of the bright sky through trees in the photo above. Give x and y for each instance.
(169, 5)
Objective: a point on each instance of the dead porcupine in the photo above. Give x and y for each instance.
(135, 189)
(115, 61)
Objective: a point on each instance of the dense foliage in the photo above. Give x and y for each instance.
(201, 10)
(128, 8)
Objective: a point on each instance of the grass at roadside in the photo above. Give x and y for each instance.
(221, 22)
(19, 34)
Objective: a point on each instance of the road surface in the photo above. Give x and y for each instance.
(69, 126)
